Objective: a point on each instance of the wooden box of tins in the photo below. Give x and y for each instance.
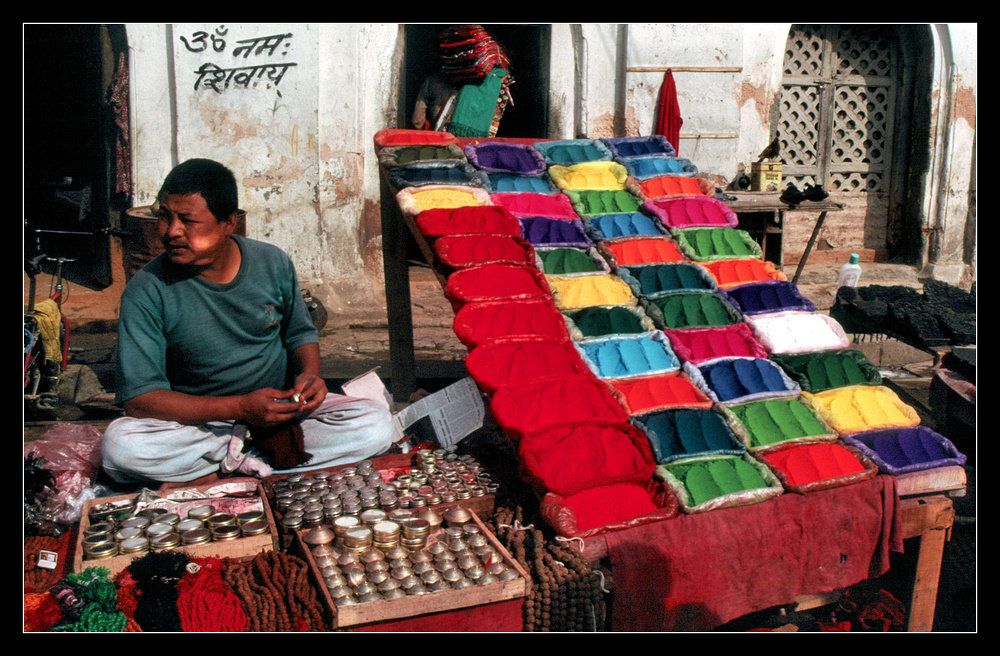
(384, 570)
(433, 479)
(225, 518)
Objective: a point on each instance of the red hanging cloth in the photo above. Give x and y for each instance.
(668, 112)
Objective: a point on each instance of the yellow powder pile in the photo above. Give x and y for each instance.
(587, 291)
(863, 408)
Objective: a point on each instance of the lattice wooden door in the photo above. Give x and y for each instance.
(836, 116)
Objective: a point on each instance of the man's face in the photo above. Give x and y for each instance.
(190, 233)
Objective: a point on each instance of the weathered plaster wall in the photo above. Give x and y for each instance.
(301, 144)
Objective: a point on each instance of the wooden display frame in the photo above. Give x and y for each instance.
(360, 615)
(240, 548)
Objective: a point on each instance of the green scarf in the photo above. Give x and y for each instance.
(477, 106)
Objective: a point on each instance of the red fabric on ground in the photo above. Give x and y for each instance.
(609, 505)
(695, 572)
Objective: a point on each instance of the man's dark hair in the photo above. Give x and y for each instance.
(215, 183)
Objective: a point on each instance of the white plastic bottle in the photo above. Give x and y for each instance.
(849, 273)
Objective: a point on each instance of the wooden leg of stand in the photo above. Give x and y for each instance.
(809, 247)
(925, 584)
(397, 297)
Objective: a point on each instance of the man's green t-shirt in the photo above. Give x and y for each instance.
(179, 332)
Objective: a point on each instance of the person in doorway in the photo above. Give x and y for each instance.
(218, 361)
(470, 91)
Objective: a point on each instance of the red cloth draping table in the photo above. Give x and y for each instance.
(696, 572)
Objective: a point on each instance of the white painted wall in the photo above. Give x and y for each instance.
(301, 144)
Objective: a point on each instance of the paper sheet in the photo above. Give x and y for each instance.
(447, 415)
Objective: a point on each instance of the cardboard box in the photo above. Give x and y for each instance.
(765, 176)
(245, 494)
(392, 610)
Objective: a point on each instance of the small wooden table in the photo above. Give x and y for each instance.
(770, 203)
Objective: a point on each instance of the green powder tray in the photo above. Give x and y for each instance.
(710, 483)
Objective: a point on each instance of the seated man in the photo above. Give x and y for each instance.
(217, 354)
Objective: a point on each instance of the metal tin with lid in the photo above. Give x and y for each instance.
(166, 541)
(135, 522)
(156, 530)
(225, 532)
(98, 541)
(133, 546)
(168, 518)
(255, 527)
(128, 534)
(202, 512)
(100, 528)
(249, 516)
(220, 519)
(103, 550)
(196, 536)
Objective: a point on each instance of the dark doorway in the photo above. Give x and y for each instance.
(68, 144)
(528, 49)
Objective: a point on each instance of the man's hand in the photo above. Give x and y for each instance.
(311, 390)
(268, 407)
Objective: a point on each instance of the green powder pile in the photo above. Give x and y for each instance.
(561, 261)
(694, 310)
(711, 479)
(657, 278)
(715, 242)
(828, 370)
(777, 420)
(593, 202)
(600, 321)
(423, 153)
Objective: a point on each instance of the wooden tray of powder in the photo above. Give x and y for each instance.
(232, 495)
(411, 606)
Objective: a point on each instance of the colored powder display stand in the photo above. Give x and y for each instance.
(862, 408)
(819, 371)
(808, 464)
(625, 357)
(480, 322)
(642, 146)
(601, 321)
(688, 432)
(775, 421)
(692, 310)
(660, 392)
(418, 176)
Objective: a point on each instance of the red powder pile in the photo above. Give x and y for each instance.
(476, 323)
(612, 504)
(494, 282)
(535, 407)
(516, 361)
(808, 463)
(474, 219)
(569, 459)
(672, 390)
(644, 250)
(460, 251)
